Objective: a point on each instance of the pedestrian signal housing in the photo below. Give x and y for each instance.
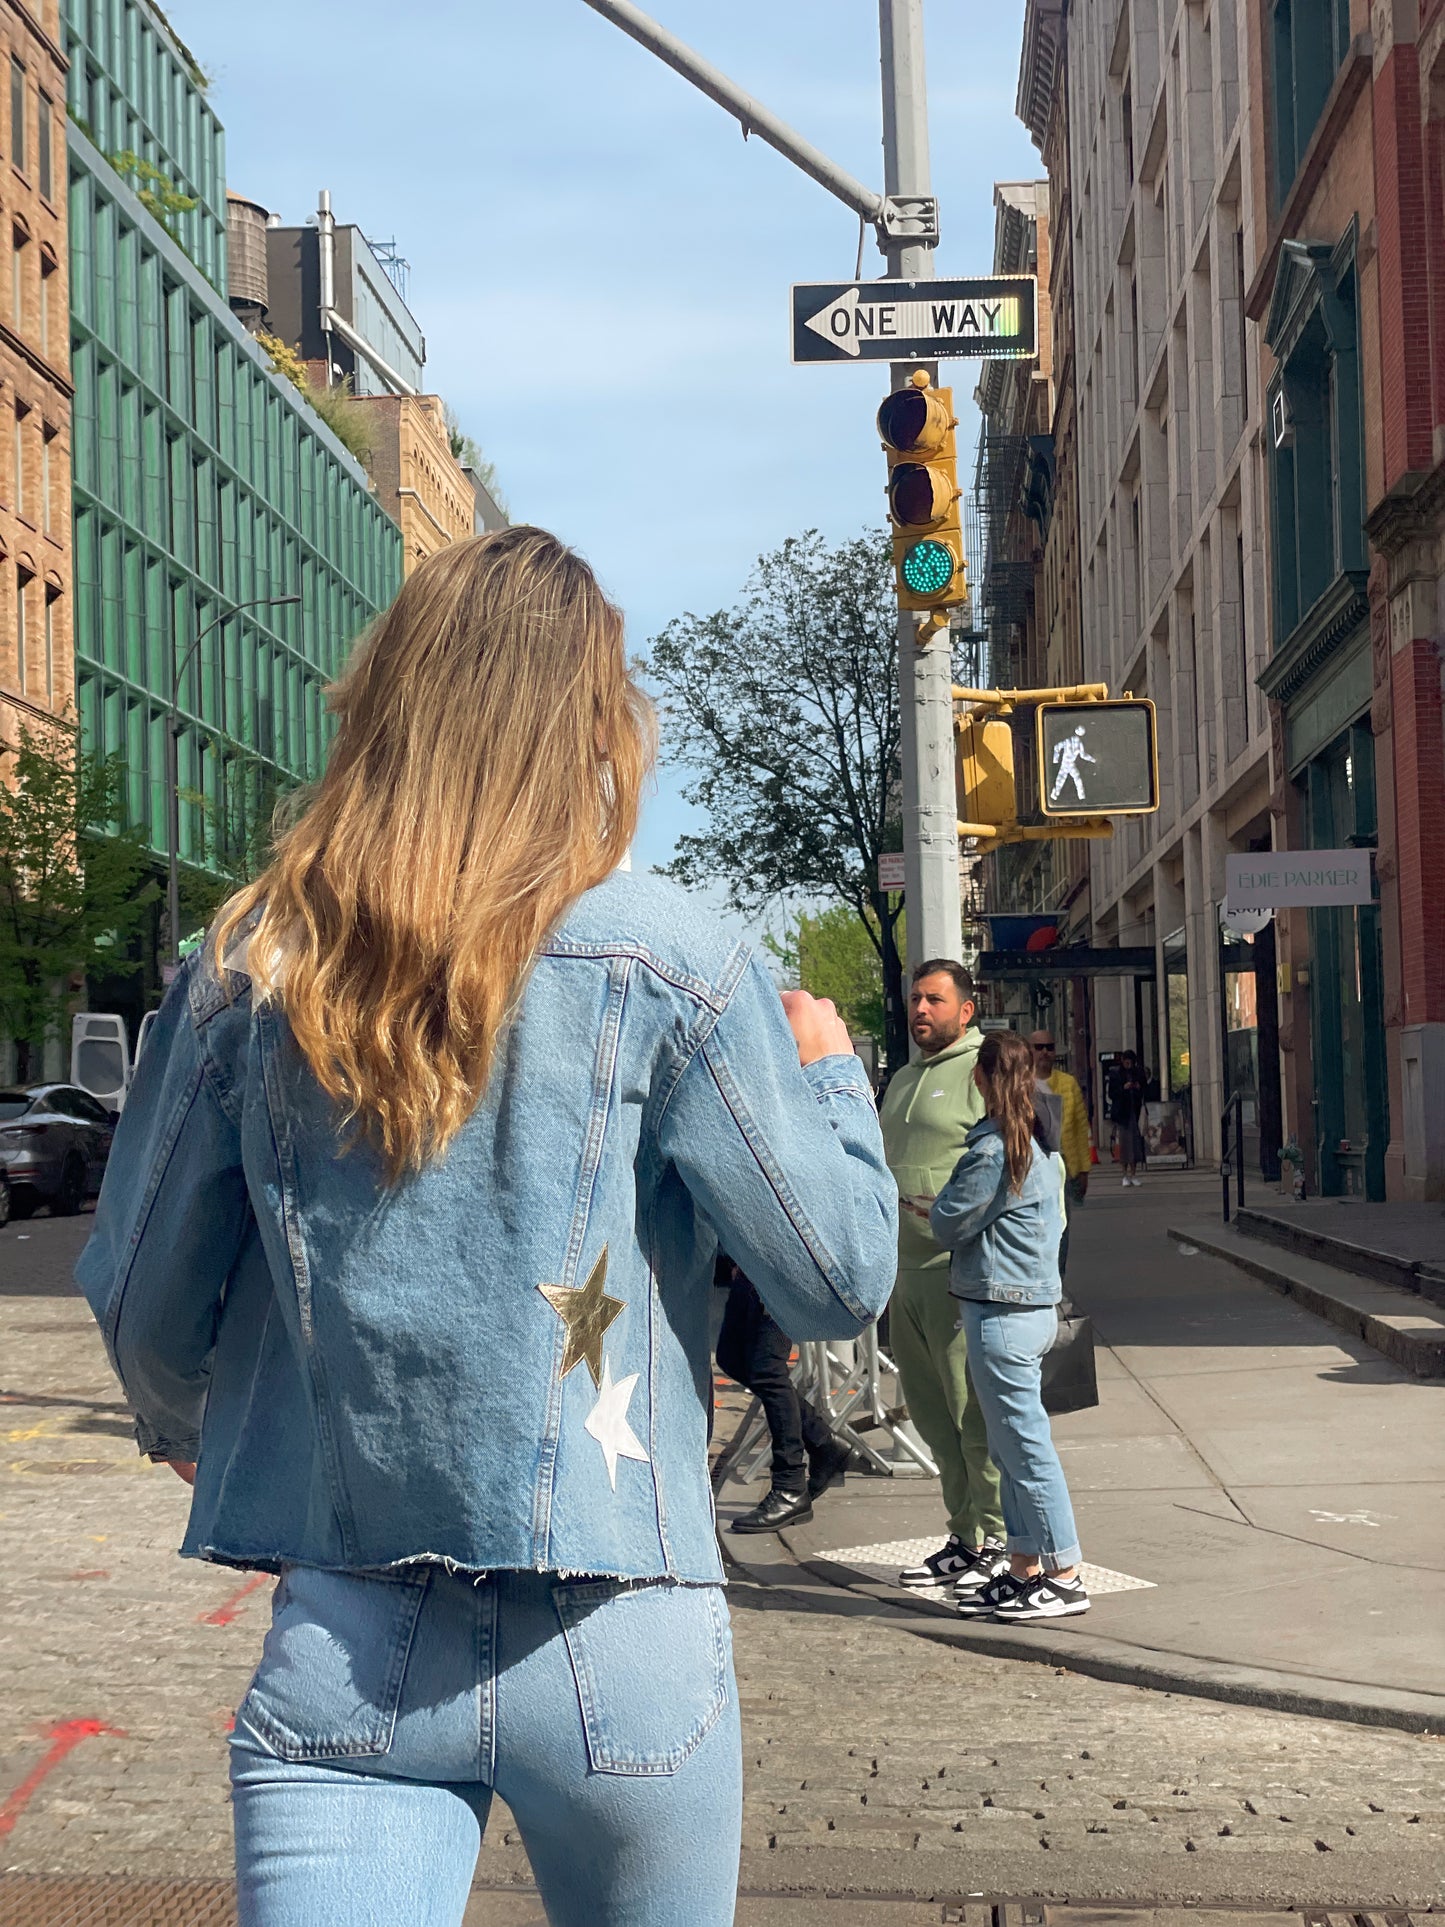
(1098, 759)
(915, 425)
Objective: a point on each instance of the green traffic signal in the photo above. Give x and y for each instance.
(927, 568)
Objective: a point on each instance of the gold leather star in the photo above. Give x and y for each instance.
(586, 1311)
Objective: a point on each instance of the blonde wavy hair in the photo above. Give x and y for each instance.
(487, 769)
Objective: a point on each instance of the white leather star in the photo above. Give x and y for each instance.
(607, 1421)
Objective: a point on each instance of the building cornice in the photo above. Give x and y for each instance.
(18, 345)
(1412, 510)
(1039, 64)
(1356, 70)
(1326, 626)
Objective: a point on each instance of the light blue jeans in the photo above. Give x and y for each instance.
(1006, 1346)
(387, 1711)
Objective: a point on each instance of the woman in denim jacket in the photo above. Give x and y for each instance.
(403, 1260)
(1001, 1216)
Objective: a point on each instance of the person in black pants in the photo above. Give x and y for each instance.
(753, 1350)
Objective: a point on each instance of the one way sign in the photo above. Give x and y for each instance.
(915, 320)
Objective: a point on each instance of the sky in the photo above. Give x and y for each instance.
(601, 265)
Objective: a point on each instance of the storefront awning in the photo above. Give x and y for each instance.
(1074, 961)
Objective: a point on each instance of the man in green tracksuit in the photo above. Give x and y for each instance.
(927, 1112)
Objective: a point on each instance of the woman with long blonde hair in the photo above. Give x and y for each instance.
(403, 1255)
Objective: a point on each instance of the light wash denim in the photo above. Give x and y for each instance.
(372, 1374)
(1005, 1246)
(387, 1711)
(1006, 1346)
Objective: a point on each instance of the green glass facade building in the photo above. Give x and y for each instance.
(202, 480)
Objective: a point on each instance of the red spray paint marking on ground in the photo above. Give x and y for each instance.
(223, 1615)
(63, 1739)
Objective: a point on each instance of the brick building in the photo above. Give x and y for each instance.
(1349, 191)
(37, 673)
(418, 481)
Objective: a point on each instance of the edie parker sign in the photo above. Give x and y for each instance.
(915, 320)
(1298, 879)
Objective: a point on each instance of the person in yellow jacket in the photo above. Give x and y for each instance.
(1074, 1142)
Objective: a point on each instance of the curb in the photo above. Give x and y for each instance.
(1122, 1662)
(1422, 1357)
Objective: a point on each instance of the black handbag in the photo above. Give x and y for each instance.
(1070, 1382)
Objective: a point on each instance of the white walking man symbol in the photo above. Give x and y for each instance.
(1068, 754)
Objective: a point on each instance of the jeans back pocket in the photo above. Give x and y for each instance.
(652, 1664)
(332, 1668)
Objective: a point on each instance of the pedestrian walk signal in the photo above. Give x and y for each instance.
(915, 425)
(1098, 759)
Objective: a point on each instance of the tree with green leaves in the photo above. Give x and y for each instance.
(786, 709)
(71, 891)
(835, 954)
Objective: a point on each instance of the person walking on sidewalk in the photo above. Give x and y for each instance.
(999, 1216)
(753, 1350)
(928, 1110)
(1074, 1141)
(403, 1259)
(1127, 1088)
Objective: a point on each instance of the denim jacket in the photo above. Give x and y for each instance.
(1005, 1247)
(502, 1361)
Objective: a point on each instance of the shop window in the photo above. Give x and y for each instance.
(1309, 42)
(17, 113)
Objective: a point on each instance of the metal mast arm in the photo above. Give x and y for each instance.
(753, 116)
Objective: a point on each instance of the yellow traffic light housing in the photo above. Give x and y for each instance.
(915, 425)
(984, 772)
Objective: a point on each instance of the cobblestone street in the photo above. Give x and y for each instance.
(881, 1759)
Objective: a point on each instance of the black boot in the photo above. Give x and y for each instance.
(778, 1509)
(827, 1465)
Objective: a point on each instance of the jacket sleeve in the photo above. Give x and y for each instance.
(168, 1225)
(1076, 1130)
(974, 1196)
(787, 1166)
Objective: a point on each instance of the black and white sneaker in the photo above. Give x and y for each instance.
(984, 1603)
(940, 1568)
(986, 1562)
(1043, 1597)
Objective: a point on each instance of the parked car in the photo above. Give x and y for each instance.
(54, 1142)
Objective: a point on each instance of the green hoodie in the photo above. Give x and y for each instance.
(928, 1110)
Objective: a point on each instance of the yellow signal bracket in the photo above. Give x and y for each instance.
(998, 835)
(1085, 692)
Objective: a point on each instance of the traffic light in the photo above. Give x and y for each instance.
(984, 772)
(1098, 759)
(916, 425)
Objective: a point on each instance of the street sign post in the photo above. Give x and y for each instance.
(902, 321)
(1098, 759)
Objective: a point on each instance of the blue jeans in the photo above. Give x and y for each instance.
(386, 1711)
(1006, 1346)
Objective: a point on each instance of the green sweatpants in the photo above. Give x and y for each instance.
(932, 1360)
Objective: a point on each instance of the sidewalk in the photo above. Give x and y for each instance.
(1264, 1491)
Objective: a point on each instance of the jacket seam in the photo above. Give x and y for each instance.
(160, 1164)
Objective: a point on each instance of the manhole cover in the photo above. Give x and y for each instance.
(46, 1900)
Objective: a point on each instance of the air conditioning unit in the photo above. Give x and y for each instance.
(1281, 422)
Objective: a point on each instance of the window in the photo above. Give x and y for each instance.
(47, 271)
(52, 596)
(18, 243)
(1128, 116)
(47, 518)
(20, 461)
(43, 162)
(17, 113)
(1309, 42)
(23, 580)
(1315, 453)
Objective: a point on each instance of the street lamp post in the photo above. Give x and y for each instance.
(173, 732)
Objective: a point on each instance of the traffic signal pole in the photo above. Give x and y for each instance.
(925, 673)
